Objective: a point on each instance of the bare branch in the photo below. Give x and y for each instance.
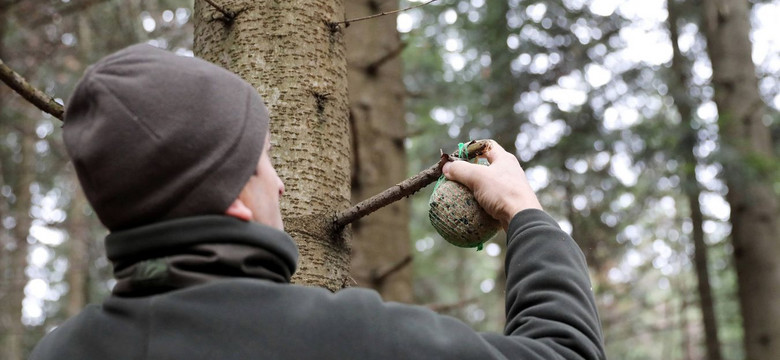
(228, 15)
(391, 195)
(451, 306)
(347, 22)
(417, 95)
(27, 91)
(407, 187)
(374, 66)
(379, 279)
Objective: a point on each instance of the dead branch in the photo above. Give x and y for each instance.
(391, 195)
(347, 22)
(450, 306)
(228, 16)
(407, 187)
(379, 279)
(37, 97)
(374, 66)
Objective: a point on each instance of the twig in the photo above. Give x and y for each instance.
(29, 92)
(407, 187)
(451, 306)
(347, 22)
(229, 16)
(379, 279)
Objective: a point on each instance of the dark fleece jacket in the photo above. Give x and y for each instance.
(181, 300)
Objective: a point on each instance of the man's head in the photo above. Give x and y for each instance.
(155, 136)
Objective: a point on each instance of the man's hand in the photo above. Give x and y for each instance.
(501, 188)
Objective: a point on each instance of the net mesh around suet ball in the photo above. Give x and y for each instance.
(457, 216)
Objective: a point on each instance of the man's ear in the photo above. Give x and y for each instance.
(239, 210)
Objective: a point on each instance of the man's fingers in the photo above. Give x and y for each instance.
(496, 151)
(463, 172)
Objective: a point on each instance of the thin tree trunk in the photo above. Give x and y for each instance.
(381, 245)
(14, 329)
(701, 262)
(296, 60)
(78, 225)
(667, 338)
(5, 210)
(747, 149)
(684, 106)
(78, 253)
(689, 336)
(14, 252)
(8, 311)
(462, 272)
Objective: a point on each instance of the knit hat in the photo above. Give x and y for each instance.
(156, 136)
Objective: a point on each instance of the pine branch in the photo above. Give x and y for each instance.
(37, 97)
(347, 22)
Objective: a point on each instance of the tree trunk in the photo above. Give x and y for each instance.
(13, 328)
(78, 253)
(748, 157)
(381, 247)
(78, 222)
(296, 60)
(684, 106)
(14, 249)
(5, 210)
(688, 336)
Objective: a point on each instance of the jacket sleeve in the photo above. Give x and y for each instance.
(550, 307)
(551, 312)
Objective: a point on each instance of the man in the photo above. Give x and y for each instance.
(169, 151)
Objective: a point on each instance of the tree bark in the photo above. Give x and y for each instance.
(381, 244)
(296, 60)
(684, 106)
(748, 159)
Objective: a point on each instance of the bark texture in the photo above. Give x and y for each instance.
(381, 250)
(749, 158)
(296, 61)
(685, 109)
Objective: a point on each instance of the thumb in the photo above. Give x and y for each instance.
(463, 172)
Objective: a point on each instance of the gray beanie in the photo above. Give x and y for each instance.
(156, 136)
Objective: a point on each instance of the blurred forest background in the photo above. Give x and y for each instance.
(611, 106)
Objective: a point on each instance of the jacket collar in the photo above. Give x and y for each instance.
(190, 251)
